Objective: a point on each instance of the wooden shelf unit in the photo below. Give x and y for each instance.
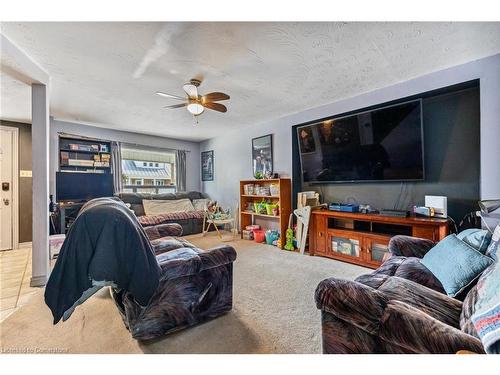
(284, 199)
(363, 238)
(65, 150)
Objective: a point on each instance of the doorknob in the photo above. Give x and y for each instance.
(6, 201)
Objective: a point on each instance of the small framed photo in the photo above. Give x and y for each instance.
(207, 165)
(262, 156)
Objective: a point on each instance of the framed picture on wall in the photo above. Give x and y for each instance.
(207, 165)
(262, 156)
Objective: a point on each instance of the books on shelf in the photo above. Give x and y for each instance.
(89, 148)
(80, 163)
(82, 147)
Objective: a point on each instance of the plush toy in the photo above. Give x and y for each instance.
(289, 240)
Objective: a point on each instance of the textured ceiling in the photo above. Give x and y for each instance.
(106, 74)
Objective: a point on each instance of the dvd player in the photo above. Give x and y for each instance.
(395, 213)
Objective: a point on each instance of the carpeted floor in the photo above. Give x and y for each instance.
(273, 312)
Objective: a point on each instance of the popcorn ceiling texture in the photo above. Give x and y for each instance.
(106, 74)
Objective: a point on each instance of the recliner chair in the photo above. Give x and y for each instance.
(195, 285)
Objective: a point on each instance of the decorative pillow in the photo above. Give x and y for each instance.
(158, 207)
(200, 204)
(455, 264)
(494, 246)
(479, 239)
(486, 318)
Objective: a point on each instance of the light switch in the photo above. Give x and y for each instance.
(25, 173)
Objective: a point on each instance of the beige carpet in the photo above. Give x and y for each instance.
(273, 312)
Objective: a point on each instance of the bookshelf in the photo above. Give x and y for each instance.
(281, 195)
(83, 155)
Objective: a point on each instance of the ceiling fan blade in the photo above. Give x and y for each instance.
(170, 96)
(191, 90)
(176, 105)
(215, 106)
(215, 97)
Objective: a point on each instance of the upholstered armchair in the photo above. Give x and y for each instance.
(195, 285)
(399, 308)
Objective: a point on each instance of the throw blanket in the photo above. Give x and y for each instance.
(104, 246)
(486, 318)
(172, 216)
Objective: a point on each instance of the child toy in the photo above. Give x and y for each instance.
(289, 235)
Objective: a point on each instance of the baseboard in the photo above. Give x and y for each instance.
(38, 281)
(23, 245)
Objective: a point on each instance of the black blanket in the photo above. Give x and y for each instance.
(104, 246)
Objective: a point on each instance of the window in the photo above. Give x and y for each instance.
(148, 171)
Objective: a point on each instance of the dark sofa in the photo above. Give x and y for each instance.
(399, 308)
(191, 223)
(195, 285)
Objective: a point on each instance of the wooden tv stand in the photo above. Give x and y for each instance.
(363, 238)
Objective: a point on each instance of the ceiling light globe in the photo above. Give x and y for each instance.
(195, 109)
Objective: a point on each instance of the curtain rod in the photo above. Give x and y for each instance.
(123, 143)
(153, 147)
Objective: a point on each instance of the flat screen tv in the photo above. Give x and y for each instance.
(383, 144)
(83, 186)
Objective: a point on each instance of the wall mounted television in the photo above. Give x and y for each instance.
(382, 144)
(79, 187)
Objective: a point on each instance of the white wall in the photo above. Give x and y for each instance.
(233, 155)
(192, 157)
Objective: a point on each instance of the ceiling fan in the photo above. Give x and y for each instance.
(195, 102)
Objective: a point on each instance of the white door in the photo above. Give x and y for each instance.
(6, 189)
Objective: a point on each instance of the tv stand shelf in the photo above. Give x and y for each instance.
(363, 238)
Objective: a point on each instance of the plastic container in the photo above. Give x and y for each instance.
(252, 227)
(274, 189)
(248, 189)
(247, 234)
(269, 208)
(260, 207)
(271, 236)
(259, 235)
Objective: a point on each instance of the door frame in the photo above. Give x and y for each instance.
(15, 183)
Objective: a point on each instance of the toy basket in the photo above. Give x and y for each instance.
(270, 206)
(260, 207)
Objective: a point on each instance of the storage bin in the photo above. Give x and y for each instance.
(252, 227)
(247, 234)
(274, 189)
(260, 207)
(269, 208)
(259, 235)
(271, 236)
(248, 189)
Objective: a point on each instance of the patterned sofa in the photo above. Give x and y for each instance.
(399, 308)
(191, 222)
(195, 285)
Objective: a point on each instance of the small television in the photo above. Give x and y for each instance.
(79, 187)
(383, 144)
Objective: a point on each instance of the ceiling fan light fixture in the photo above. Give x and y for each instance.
(195, 109)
